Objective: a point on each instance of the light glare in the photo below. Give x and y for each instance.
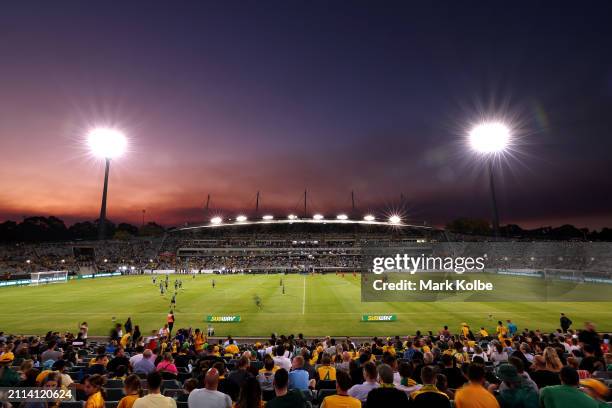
(492, 137)
(395, 219)
(241, 218)
(268, 217)
(106, 143)
(342, 217)
(317, 217)
(216, 220)
(369, 217)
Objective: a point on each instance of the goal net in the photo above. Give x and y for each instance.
(41, 278)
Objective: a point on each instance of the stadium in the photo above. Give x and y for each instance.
(295, 282)
(470, 114)
(306, 273)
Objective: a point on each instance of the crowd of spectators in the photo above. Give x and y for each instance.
(469, 368)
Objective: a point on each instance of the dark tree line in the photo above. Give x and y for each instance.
(48, 229)
(564, 232)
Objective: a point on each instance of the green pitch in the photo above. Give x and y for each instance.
(313, 305)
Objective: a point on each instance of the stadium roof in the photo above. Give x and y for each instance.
(220, 223)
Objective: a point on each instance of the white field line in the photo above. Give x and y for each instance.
(304, 298)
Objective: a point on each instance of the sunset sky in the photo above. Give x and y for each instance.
(228, 98)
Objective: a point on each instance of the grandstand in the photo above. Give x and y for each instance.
(252, 279)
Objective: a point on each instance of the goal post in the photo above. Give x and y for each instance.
(42, 278)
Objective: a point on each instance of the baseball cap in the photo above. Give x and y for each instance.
(508, 372)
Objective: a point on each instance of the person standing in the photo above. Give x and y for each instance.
(565, 322)
(170, 320)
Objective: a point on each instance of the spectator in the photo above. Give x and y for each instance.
(499, 355)
(565, 322)
(514, 391)
(118, 360)
(154, 398)
(518, 364)
(136, 357)
(346, 360)
(429, 396)
(474, 394)
(280, 359)
(386, 395)
(442, 385)
(298, 377)
(591, 337)
(360, 391)
(189, 385)
(541, 375)
(453, 374)
(94, 390)
(60, 367)
(326, 372)
(51, 353)
(132, 389)
(266, 374)
(231, 347)
(566, 395)
(167, 365)
(597, 390)
(209, 397)
(145, 365)
(8, 376)
(284, 397)
(341, 399)
(250, 395)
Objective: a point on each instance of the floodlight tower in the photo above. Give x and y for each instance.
(490, 140)
(108, 144)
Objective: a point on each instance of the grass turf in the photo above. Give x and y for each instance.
(313, 305)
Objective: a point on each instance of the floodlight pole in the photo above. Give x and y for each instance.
(493, 200)
(102, 220)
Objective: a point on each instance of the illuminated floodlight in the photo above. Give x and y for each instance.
(105, 260)
(150, 260)
(490, 137)
(395, 219)
(342, 217)
(317, 217)
(241, 218)
(106, 143)
(267, 217)
(216, 220)
(63, 261)
(28, 261)
(292, 217)
(369, 217)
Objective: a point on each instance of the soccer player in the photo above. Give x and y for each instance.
(213, 283)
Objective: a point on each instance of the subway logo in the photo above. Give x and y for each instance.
(223, 319)
(379, 318)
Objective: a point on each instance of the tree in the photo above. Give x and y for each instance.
(128, 228)
(469, 226)
(152, 229)
(8, 231)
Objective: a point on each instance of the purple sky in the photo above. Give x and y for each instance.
(231, 98)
